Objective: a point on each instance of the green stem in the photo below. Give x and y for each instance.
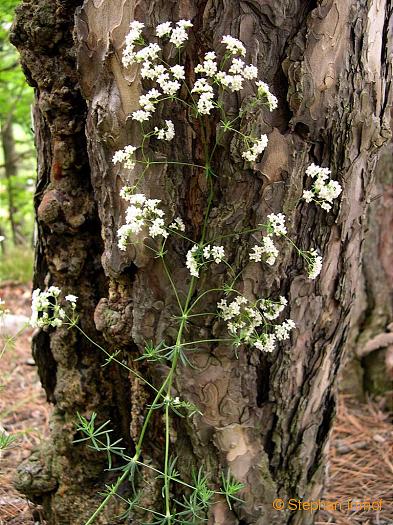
(113, 491)
(172, 284)
(10, 340)
(167, 481)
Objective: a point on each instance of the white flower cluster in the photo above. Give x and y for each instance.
(140, 213)
(265, 93)
(177, 35)
(178, 225)
(324, 190)
(282, 330)
(134, 36)
(126, 157)
(232, 79)
(46, 309)
(276, 224)
(216, 253)
(209, 65)
(272, 309)
(167, 78)
(314, 261)
(266, 250)
(256, 149)
(192, 262)
(198, 256)
(206, 98)
(166, 134)
(233, 45)
(239, 67)
(266, 343)
(245, 321)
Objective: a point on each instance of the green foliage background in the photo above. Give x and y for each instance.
(16, 99)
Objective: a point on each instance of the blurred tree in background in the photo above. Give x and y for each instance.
(17, 157)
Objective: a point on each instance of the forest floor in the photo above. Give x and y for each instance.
(360, 460)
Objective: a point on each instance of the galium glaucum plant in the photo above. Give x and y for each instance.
(254, 324)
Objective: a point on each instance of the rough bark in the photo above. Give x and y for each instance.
(265, 417)
(369, 363)
(64, 478)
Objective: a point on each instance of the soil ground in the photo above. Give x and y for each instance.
(360, 466)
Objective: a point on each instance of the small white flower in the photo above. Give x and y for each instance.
(147, 70)
(265, 93)
(169, 87)
(178, 224)
(235, 83)
(178, 72)
(54, 290)
(179, 34)
(256, 149)
(233, 45)
(201, 86)
(223, 78)
(324, 190)
(282, 331)
(147, 101)
(45, 308)
(308, 195)
(272, 309)
(140, 115)
(314, 265)
(149, 53)
(208, 66)
(206, 251)
(191, 262)
(276, 223)
(71, 298)
(129, 55)
(125, 156)
(133, 198)
(205, 103)
(140, 213)
(158, 228)
(250, 72)
(163, 29)
(166, 134)
(123, 234)
(185, 24)
(136, 26)
(218, 254)
(267, 249)
(266, 343)
(237, 66)
(317, 171)
(152, 71)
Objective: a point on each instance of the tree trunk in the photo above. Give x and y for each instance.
(369, 363)
(265, 417)
(10, 170)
